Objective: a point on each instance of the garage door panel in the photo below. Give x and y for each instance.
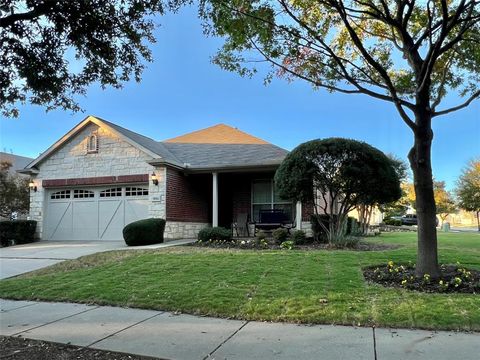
(135, 209)
(85, 220)
(93, 213)
(111, 219)
(59, 224)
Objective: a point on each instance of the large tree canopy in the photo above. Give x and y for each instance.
(406, 52)
(51, 50)
(336, 175)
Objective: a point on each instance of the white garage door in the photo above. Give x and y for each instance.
(94, 213)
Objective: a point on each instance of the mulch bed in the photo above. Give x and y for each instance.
(453, 278)
(19, 348)
(251, 244)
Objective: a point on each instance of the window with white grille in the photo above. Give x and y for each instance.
(136, 191)
(82, 194)
(113, 192)
(64, 194)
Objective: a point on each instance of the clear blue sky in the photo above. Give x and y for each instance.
(182, 91)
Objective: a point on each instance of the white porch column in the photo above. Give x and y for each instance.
(214, 199)
(299, 215)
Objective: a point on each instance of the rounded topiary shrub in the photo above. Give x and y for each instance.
(214, 234)
(144, 232)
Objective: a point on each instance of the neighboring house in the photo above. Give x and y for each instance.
(100, 177)
(18, 162)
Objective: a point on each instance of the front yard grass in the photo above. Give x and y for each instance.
(295, 286)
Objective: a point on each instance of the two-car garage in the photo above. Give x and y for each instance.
(93, 213)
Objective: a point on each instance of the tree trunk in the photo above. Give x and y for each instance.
(420, 162)
(478, 220)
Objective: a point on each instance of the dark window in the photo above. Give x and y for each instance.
(81, 194)
(113, 192)
(64, 194)
(136, 191)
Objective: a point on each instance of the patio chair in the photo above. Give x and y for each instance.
(240, 225)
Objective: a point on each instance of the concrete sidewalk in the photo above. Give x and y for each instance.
(166, 335)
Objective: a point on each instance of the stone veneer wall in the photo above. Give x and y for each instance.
(115, 157)
(183, 229)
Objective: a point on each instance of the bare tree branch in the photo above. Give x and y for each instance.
(476, 95)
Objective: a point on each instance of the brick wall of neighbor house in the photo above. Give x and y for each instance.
(187, 205)
(115, 157)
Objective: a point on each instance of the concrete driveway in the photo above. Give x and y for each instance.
(19, 259)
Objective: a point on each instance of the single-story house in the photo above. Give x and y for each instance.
(100, 177)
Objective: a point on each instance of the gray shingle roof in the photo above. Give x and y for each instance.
(148, 143)
(18, 162)
(192, 155)
(226, 155)
(201, 156)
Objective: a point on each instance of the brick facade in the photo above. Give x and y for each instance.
(187, 197)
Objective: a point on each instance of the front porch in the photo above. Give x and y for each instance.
(221, 198)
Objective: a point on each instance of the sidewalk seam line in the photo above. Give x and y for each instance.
(51, 322)
(374, 344)
(128, 327)
(223, 342)
(20, 307)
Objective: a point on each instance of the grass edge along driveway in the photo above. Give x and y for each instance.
(321, 287)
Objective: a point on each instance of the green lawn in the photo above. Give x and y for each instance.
(295, 286)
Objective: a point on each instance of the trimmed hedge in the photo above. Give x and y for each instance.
(144, 232)
(214, 234)
(394, 222)
(17, 231)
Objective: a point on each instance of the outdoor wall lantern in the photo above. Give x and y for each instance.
(32, 186)
(154, 179)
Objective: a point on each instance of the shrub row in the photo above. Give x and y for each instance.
(215, 234)
(17, 231)
(394, 222)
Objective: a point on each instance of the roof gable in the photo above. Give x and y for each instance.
(147, 145)
(217, 134)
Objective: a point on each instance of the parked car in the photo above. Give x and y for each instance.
(411, 219)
